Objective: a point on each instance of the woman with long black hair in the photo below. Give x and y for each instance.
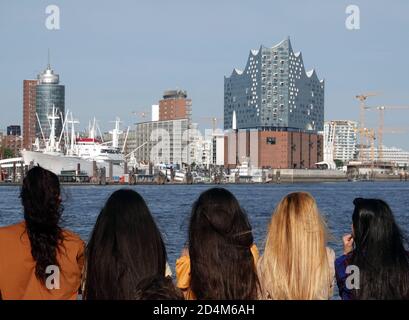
(39, 259)
(220, 261)
(125, 248)
(376, 254)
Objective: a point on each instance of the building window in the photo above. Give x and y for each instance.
(271, 140)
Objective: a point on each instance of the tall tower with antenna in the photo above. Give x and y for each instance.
(49, 93)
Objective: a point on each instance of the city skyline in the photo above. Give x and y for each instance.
(112, 69)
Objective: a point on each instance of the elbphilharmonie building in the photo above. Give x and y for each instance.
(274, 91)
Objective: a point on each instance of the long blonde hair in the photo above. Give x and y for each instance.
(295, 263)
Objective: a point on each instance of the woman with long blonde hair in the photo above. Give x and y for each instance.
(297, 265)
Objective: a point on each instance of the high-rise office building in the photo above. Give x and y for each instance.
(49, 94)
(274, 91)
(29, 113)
(162, 142)
(175, 105)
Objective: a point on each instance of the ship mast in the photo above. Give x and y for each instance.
(51, 141)
(115, 133)
(72, 139)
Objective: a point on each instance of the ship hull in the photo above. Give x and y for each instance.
(58, 163)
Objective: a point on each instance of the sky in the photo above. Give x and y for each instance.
(117, 57)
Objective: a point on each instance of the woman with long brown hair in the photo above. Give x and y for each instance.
(296, 264)
(219, 263)
(126, 248)
(39, 259)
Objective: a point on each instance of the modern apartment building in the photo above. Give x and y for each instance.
(344, 144)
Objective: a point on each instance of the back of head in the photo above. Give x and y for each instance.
(220, 238)
(295, 263)
(379, 252)
(40, 197)
(157, 287)
(125, 247)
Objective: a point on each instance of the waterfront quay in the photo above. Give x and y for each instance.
(283, 176)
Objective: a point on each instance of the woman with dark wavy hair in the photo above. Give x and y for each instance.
(220, 261)
(125, 248)
(39, 259)
(376, 248)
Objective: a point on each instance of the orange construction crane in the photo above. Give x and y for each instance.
(362, 98)
(381, 125)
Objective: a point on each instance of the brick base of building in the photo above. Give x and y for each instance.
(276, 149)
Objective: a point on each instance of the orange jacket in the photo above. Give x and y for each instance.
(17, 266)
(183, 273)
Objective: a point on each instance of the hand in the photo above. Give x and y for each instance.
(348, 241)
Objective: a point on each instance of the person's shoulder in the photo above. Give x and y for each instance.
(330, 254)
(70, 236)
(13, 229)
(343, 259)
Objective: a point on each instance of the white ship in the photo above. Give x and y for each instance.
(80, 152)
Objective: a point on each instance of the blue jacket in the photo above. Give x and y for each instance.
(341, 264)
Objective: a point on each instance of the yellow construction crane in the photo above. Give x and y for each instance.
(370, 134)
(367, 134)
(362, 98)
(381, 124)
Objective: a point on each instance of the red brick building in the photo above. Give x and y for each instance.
(276, 149)
(29, 113)
(14, 143)
(175, 105)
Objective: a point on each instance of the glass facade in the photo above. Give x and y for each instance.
(47, 96)
(49, 93)
(274, 91)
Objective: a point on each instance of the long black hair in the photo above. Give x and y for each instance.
(40, 197)
(379, 252)
(220, 238)
(158, 287)
(125, 248)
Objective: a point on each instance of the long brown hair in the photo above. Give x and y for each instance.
(126, 247)
(40, 197)
(295, 263)
(220, 238)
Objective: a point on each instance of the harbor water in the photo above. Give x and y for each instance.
(171, 205)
